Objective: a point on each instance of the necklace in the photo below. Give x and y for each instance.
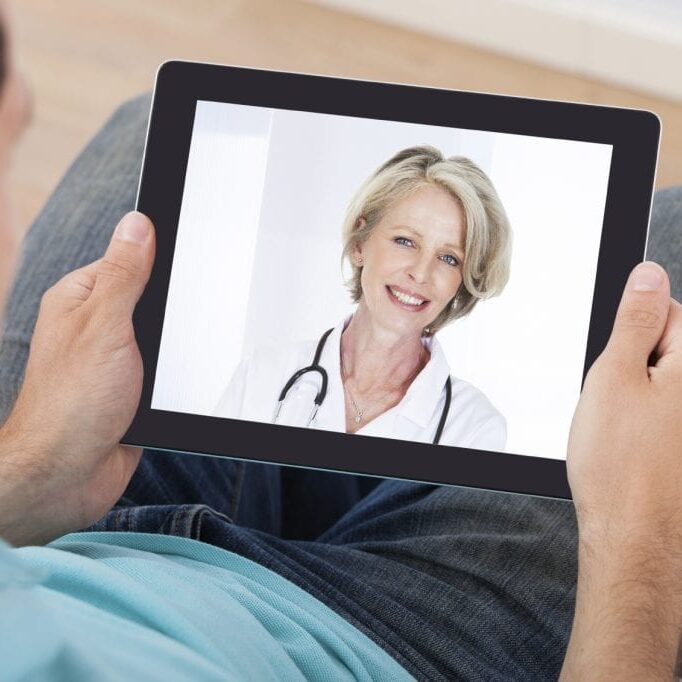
(359, 413)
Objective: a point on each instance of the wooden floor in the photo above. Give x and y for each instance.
(86, 57)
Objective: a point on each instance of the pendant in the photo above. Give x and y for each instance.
(358, 418)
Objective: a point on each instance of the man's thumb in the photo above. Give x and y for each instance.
(123, 271)
(641, 318)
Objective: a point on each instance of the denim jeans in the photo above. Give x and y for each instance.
(454, 583)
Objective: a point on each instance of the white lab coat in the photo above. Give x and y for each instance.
(255, 386)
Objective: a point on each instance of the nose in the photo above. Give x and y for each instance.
(419, 269)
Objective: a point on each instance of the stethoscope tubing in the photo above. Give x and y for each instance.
(322, 391)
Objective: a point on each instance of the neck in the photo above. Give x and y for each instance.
(378, 358)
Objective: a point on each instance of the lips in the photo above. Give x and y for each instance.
(406, 299)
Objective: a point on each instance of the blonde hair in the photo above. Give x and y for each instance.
(488, 233)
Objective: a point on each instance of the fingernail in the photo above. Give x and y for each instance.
(647, 277)
(133, 228)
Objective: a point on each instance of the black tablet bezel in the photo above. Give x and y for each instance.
(634, 135)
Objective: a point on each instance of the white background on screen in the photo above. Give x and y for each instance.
(257, 258)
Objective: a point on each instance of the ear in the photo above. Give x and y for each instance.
(356, 254)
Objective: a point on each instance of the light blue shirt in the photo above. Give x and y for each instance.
(116, 606)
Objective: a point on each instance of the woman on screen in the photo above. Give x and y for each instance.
(426, 238)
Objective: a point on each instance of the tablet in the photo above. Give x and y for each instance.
(382, 279)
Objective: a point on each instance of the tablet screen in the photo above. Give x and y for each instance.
(469, 254)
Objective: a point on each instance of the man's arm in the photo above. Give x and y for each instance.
(625, 472)
(627, 620)
(61, 465)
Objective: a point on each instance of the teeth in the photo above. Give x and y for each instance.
(405, 298)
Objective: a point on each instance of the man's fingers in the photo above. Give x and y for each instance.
(670, 345)
(641, 319)
(116, 280)
(123, 271)
(75, 288)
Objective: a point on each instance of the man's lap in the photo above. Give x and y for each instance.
(451, 582)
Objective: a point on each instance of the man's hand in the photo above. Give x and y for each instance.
(61, 465)
(625, 472)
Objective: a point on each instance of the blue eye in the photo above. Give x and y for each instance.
(404, 241)
(450, 260)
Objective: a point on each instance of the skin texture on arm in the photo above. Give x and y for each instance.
(61, 464)
(625, 472)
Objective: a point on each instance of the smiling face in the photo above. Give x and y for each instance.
(412, 261)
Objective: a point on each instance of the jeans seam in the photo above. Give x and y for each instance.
(178, 525)
(122, 520)
(190, 520)
(197, 523)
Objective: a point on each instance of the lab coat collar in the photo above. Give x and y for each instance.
(421, 400)
(422, 397)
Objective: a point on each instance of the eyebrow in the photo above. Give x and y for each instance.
(407, 228)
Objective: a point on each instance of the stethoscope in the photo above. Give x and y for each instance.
(322, 392)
